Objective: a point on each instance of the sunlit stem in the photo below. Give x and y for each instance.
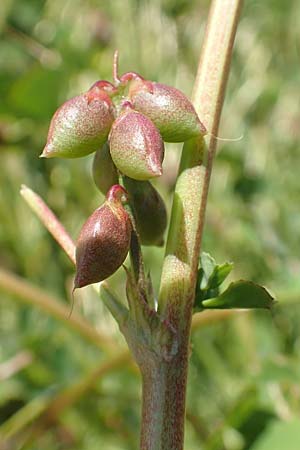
(179, 273)
(116, 77)
(49, 220)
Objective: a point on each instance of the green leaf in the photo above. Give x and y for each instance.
(241, 294)
(220, 273)
(207, 268)
(210, 276)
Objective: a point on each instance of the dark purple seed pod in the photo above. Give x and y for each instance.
(104, 171)
(104, 240)
(80, 126)
(136, 146)
(149, 211)
(168, 108)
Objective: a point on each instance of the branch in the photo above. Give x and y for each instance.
(177, 289)
(189, 205)
(49, 220)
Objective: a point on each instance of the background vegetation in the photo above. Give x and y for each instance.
(59, 388)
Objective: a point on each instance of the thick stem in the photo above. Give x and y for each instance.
(191, 191)
(163, 407)
(153, 403)
(186, 228)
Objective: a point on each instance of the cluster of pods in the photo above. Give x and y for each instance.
(125, 124)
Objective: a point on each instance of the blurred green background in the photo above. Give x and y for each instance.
(65, 388)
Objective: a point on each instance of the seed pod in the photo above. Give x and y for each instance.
(149, 210)
(136, 146)
(104, 240)
(105, 174)
(168, 108)
(80, 126)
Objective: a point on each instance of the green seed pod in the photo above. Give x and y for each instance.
(136, 146)
(168, 108)
(105, 174)
(80, 126)
(104, 240)
(149, 210)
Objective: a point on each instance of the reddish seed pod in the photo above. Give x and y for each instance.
(168, 108)
(80, 126)
(104, 85)
(104, 240)
(136, 146)
(128, 76)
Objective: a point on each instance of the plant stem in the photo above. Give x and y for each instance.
(185, 234)
(49, 220)
(164, 391)
(153, 401)
(189, 205)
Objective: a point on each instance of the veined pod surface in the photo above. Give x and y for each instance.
(104, 171)
(136, 146)
(168, 108)
(104, 240)
(80, 126)
(150, 211)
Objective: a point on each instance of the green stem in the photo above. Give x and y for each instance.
(185, 234)
(153, 402)
(163, 406)
(49, 220)
(189, 205)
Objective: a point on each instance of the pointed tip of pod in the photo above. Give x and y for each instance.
(79, 281)
(136, 146)
(156, 169)
(80, 126)
(155, 163)
(47, 152)
(117, 194)
(202, 128)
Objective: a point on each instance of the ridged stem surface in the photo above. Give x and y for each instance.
(165, 387)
